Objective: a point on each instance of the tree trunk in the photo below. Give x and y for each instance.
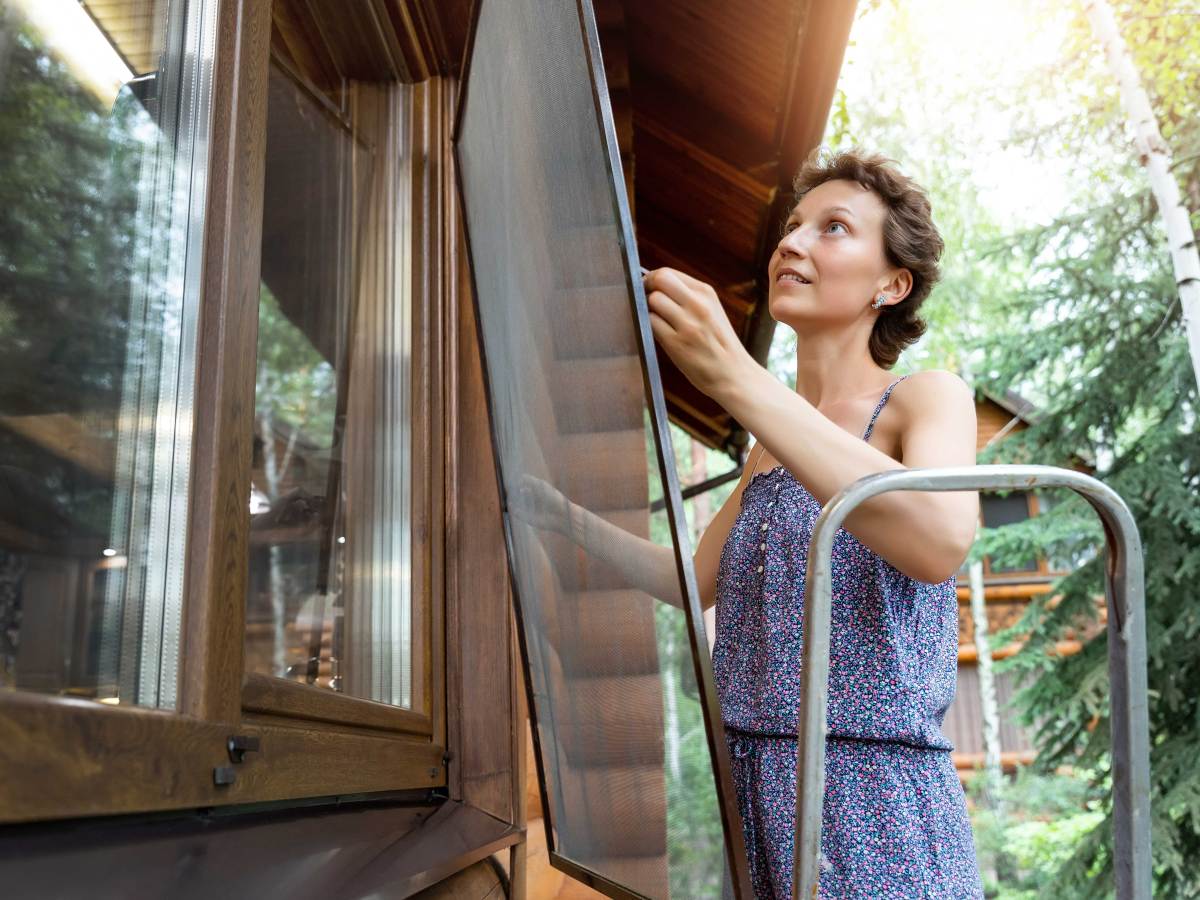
(989, 707)
(987, 684)
(1156, 157)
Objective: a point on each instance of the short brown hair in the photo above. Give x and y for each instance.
(910, 239)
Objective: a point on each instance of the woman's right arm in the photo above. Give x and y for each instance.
(646, 565)
(650, 566)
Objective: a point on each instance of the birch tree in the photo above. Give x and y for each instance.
(1155, 156)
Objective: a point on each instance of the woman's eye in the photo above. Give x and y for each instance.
(835, 225)
(790, 227)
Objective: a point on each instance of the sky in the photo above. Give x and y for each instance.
(937, 63)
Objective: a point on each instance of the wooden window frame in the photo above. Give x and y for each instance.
(1041, 569)
(66, 758)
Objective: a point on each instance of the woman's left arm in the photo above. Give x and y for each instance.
(924, 534)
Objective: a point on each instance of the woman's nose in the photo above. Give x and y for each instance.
(794, 243)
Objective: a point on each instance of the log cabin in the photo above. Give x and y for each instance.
(1008, 591)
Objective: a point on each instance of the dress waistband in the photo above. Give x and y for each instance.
(840, 738)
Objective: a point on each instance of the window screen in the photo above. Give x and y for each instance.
(635, 780)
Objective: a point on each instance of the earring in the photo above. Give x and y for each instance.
(879, 301)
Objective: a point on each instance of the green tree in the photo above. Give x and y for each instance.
(1076, 310)
(1096, 335)
(68, 249)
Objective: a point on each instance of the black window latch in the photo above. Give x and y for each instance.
(241, 744)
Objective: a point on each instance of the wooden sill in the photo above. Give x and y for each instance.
(63, 758)
(267, 695)
(356, 849)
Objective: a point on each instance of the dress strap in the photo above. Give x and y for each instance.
(879, 407)
(754, 469)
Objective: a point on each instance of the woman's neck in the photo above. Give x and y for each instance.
(832, 369)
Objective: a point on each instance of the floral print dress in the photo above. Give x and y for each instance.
(895, 820)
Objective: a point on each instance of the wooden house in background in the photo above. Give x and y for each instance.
(1007, 593)
(255, 624)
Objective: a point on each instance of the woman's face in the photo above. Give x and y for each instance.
(830, 263)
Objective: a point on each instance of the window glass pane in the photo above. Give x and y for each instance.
(329, 595)
(104, 112)
(1007, 510)
(580, 434)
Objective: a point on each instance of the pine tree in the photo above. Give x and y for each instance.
(1097, 337)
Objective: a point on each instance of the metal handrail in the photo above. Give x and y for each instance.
(1124, 594)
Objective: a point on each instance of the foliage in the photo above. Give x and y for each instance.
(69, 247)
(1068, 300)
(1044, 818)
(1096, 334)
(694, 833)
(295, 386)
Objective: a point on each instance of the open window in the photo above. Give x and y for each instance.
(633, 769)
(217, 552)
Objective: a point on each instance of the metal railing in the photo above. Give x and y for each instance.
(1125, 597)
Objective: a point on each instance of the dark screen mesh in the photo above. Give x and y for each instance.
(622, 742)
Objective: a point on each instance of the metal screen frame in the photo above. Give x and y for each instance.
(1125, 596)
(735, 849)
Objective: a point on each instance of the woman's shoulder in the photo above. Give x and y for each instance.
(932, 398)
(933, 386)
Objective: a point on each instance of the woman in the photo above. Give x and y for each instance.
(857, 257)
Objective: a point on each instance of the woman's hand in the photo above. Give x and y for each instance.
(542, 505)
(689, 322)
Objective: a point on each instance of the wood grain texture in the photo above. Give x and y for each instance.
(726, 101)
(447, 21)
(381, 41)
(274, 696)
(218, 527)
(78, 758)
(480, 881)
(479, 691)
(429, 149)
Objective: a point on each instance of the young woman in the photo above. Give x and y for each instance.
(857, 257)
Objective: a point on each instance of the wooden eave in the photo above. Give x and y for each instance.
(728, 100)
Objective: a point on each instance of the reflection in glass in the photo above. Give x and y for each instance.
(103, 112)
(629, 778)
(329, 595)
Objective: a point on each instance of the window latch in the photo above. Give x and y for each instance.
(241, 744)
(238, 746)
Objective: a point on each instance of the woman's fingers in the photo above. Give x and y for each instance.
(664, 278)
(661, 329)
(664, 306)
(540, 504)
